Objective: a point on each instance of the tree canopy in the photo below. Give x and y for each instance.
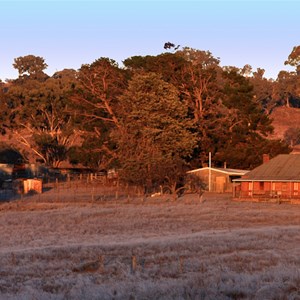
(30, 65)
(153, 118)
(155, 132)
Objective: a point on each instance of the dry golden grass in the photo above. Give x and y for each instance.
(154, 248)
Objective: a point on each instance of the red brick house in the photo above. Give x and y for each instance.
(278, 178)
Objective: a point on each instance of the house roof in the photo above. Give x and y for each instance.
(284, 167)
(227, 171)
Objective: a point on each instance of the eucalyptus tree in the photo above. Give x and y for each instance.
(37, 113)
(225, 104)
(294, 59)
(194, 73)
(292, 136)
(155, 138)
(30, 66)
(287, 89)
(101, 84)
(263, 91)
(4, 112)
(96, 104)
(169, 66)
(247, 126)
(199, 80)
(293, 85)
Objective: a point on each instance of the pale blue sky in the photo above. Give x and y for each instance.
(70, 33)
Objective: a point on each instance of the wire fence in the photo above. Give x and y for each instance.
(137, 263)
(71, 187)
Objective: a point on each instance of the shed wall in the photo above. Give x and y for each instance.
(220, 182)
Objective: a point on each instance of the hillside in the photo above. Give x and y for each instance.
(284, 118)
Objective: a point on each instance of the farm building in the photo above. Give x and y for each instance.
(16, 174)
(278, 178)
(216, 179)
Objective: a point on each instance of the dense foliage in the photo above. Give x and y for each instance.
(153, 118)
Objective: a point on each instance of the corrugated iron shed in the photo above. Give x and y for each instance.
(285, 167)
(227, 171)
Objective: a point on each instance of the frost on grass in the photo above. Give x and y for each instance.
(154, 249)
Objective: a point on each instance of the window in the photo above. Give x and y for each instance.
(284, 186)
(261, 186)
(296, 188)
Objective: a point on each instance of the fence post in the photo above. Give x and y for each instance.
(117, 190)
(57, 195)
(101, 263)
(13, 259)
(133, 264)
(181, 269)
(69, 180)
(93, 191)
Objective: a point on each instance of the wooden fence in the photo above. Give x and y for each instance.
(71, 187)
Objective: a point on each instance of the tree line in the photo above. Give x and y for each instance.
(153, 118)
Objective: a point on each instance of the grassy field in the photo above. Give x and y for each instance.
(152, 248)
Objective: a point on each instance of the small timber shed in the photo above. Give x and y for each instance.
(278, 178)
(218, 180)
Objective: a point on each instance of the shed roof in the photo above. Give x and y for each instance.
(227, 171)
(285, 167)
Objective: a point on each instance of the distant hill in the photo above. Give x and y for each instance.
(284, 118)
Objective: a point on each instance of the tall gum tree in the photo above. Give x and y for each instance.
(96, 104)
(294, 59)
(247, 126)
(287, 91)
(263, 91)
(154, 137)
(38, 116)
(200, 87)
(199, 77)
(168, 65)
(194, 73)
(31, 66)
(101, 84)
